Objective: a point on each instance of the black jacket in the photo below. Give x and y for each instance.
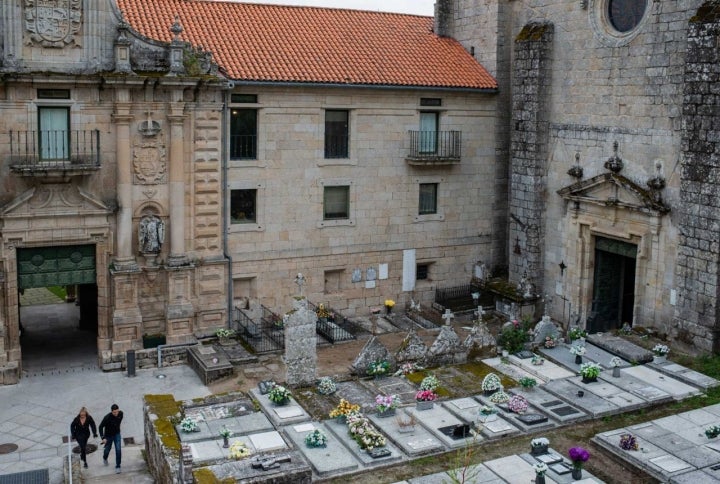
(110, 425)
(80, 431)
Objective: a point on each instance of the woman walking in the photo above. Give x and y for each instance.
(80, 430)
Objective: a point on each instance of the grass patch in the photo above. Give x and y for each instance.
(59, 291)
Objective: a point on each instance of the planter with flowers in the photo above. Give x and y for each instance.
(326, 386)
(279, 395)
(537, 360)
(238, 450)
(518, 404)
(344, 409)
(615, 363)
(527, 383)
(225, 336)
(363, 432)
(499, 397)
(322, 313)
(539, 446)
(590, 372)
(425, 399)
(378, 368)
(386, 405)
(540, 469)
(578, 456)
(316, 438)
(225, 433)
(628, 442)
(188, 424)
(550, 342)
(491, 383)
(576, 333)
(389, 305)
(487, 413)
(578, 351)
(660, 353)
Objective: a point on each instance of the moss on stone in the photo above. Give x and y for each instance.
(709, 12)
(532, 32)
(206, 476)
(166, 408)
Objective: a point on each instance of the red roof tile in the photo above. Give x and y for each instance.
(272, 43)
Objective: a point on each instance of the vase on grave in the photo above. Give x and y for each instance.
(578, 359)
(616, 372)
(387, 413)
(659, 359)
(282, 403)
(540, 479)
(226, 443)
(576, 473)
(424, 405)
(589, 379)
(388, 309)
(538, 449)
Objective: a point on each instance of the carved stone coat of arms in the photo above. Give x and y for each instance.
(53, 23)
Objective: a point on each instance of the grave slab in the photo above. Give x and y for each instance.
(636, 386)
(686, 375)
(212, 450)
(419, 441)
(477, 474)
(465, 409)
(556, 409)
(439, 418)
(602, 357)
(512, 468)
(498, 428)
(333, 459)
(589, 402)
(357, 394)
(623, 348)
(648, 431)
(513, 371)
(552, 476)
(340, 431)
(702, 476)
(561, 356)
(243, 425)
(669, 464)
(512, 417)
(545, 372)
(624, 400)
(676, 388)
(289, 414)
(699, 457)
(268, 441)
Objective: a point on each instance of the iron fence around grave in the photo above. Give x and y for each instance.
(459, 298)
(264, 335)
(334, 328)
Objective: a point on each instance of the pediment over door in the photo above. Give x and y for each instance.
(613, 190)
(54, 200)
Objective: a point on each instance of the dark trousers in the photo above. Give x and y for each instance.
(109, 441)
(82, 442)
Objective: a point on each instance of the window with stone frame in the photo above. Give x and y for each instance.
(243, 133)
(54, 132)
(337, 133)
(422, 272)
(336, 202)
(243, 206)
(428, 199)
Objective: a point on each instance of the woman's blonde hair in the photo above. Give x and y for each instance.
(85, 410)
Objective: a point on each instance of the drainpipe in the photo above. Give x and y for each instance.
(224, 189)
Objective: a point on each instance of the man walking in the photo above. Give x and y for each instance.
(110, 434)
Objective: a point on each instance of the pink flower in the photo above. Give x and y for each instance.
(426, 395)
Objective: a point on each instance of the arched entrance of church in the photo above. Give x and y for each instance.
(58, 308)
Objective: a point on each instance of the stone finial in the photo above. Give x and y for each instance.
(576, 171)
(176, 29)
(615, 163)
(122, 49)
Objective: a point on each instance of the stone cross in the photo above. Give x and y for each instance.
(480, 313)
(300, 281)
(448, 316)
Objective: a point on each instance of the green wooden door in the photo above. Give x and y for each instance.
(56, 266)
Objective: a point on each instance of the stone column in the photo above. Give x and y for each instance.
(124, 259)
(176, 117)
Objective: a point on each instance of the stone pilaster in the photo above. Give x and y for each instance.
(696, 321)
(124, 259)
(180, 313)
(528, 151)
(126, 331)
(176, 117)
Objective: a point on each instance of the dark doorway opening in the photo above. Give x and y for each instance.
(613, 285)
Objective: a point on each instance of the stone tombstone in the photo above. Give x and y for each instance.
(370, 274)
(412, 349)
(300, 345)
(545, 327)
(373, 351)
(479, 337)
(446, 349)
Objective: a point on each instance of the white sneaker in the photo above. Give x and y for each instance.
(117, 470)
(105, 462)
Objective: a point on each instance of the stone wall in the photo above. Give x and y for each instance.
(147, 358)
(697, 317)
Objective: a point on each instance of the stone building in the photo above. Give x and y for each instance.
(174, 158)
(609, 121)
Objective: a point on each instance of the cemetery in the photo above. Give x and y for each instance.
(422, 398)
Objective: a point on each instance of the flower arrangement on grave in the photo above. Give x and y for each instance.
(660, 350)
(550, 342)
(430, 382)
(225, 432)
(628, 442)
(712, 431)
(527, 382)
(362, 431)
(518, 404)
(577, 350)
(316, 438)
(590, 370)
(408, 368)
(343, 409)
(378, 368)
(188, 424)
(326, 386)
(383, 403)
(615, 362)
(238, 450)
(426, 396)
(224, 333)
(389, 304)
(487, 410)
(499, 397)
(321, 311)
(578, 456)
(576, 333)
(513, 337)
(540, 468)
(491, 383)
(539, 442)
(279, 395)
(537, 360)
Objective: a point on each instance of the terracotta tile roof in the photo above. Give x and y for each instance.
(272, 43)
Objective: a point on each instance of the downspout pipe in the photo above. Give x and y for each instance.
(224, 119)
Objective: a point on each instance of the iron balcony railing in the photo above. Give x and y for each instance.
(54, 150)
(336, 146)
(243, 147)
(438, 146)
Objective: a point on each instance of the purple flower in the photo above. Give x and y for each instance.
(578, 455)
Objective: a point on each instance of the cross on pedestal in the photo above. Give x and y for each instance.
(448, 317)
(300, 281)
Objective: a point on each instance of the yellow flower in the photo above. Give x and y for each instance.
(389, 303)
(344, 408)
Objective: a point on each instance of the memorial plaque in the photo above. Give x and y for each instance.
(561, 468)
(378, 453)
(532, 418)
(553, 403)
(456, 432)
(563, 411)
(549, 459)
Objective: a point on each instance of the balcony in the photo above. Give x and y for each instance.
(54, 153)
(243, 147)
(434, 148)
